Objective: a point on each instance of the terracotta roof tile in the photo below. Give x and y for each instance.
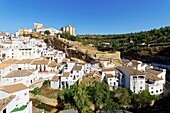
(53, 64)
(4, 102)
(94, 72)
(46, 56)
(2, 65)
(132, 71)
(25, 61)
(10, 61)
(8, 42)
(66, 74)
(78, 68)
(151, 77)
(152, 71)
(109, 75)
(125, 61)
(19, 73)
(13, 88)
(40, 62)
(55, 78)
(108, 69)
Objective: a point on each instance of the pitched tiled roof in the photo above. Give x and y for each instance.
(77, 67)
(2, 65)
(46, 56)
(94, 72)
(55, 78)
(13, 88)
(52, 64)
(125, 61)
(66, 74)
(8, 42)
(108, 69)
(40, 62)
(109, 75)
(132, 71)
(92, 76)
(25, 61)
(4, 102)
(152, 71)
(151, 77)
(10, 61)
(19, 73)
(135, 62)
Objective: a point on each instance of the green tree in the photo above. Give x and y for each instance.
(68, 95)
(143, 99)
(115, 44)
(111, 105)
(100, 94)
(81, 98)
(47, 32)
(122, 96)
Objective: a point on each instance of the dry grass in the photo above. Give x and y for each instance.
(48, 92)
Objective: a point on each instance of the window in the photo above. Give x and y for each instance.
(160, 90)
(157, 91)
(140, 87)
(77, 76)
(151, 87)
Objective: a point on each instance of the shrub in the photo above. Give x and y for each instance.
(46, 82)
(36, 91)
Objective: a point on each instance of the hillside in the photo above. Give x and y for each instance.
(149, 46)
(75, 49)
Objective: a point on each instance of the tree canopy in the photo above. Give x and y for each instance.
(47, 32)
(98, 97)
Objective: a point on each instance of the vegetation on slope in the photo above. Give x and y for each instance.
(98, 97)
(145, 43)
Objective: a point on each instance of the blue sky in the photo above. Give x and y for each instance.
(87, 16)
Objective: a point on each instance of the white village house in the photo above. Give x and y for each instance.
(132, 79)
(15, 98)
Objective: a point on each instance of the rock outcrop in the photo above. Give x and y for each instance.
(86, 53)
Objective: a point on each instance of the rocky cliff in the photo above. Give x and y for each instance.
(78, 50)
